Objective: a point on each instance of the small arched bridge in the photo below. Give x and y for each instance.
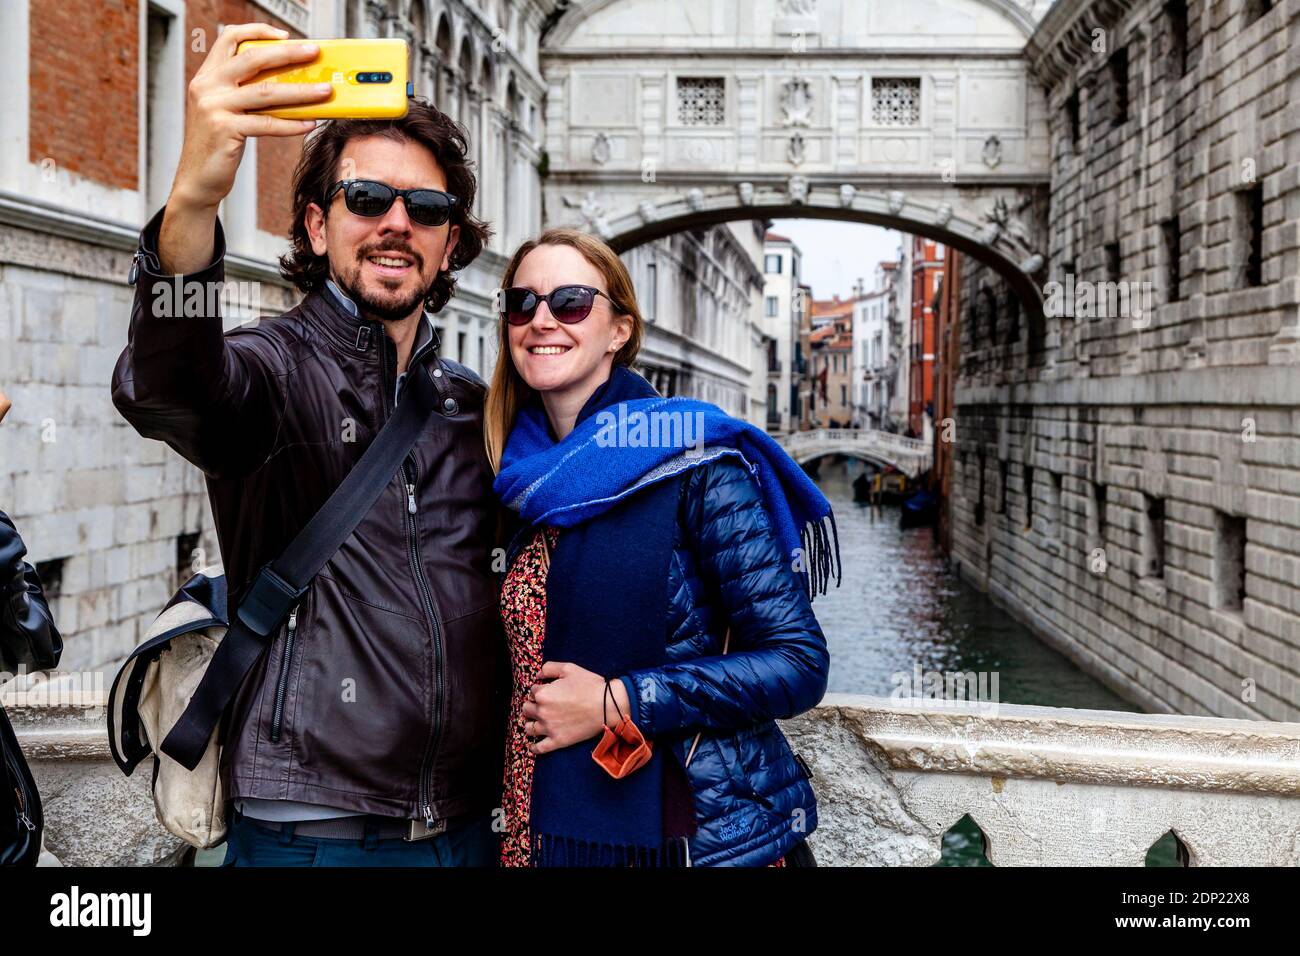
(911, 456)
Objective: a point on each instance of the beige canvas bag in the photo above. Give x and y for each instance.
(151, 691)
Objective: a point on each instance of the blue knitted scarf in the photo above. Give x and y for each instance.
(613, 484)
(627, 436)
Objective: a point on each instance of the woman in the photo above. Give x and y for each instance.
(672, 564)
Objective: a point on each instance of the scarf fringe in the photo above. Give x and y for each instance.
(550, 850)
(820, 559)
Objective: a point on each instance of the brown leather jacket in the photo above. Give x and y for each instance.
(391, 699)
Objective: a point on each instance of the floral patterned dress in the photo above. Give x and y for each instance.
(523, 612)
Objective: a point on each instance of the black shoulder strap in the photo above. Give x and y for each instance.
(280, 584)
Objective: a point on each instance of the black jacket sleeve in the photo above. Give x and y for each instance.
(215, 400)
(28, 636)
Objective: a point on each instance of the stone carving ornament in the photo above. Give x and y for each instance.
(796, 150)
(1003, 222)
(592, 212)
(992, 154)
(796, 102)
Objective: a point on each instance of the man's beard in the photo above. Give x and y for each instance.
(387, 309)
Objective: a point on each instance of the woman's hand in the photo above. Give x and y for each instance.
(5, 405)
(568, 708)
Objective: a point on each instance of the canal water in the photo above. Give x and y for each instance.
(899, 607)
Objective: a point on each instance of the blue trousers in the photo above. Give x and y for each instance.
(470, 842)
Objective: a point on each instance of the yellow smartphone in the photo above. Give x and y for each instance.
(369, 77)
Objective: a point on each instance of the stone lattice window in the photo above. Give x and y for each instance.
(701, 100)
(896, 101)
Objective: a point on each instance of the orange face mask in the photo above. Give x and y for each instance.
(624, 748)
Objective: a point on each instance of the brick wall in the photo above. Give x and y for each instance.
(85, 60)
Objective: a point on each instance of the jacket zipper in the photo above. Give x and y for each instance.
(18, 792)
(282, 685)
(417, 568)
(22, 810)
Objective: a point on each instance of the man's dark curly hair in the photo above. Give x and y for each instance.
(317, 171)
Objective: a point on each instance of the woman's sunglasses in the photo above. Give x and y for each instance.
(568, 303)
(365, 197)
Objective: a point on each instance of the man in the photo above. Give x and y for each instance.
(370, 730)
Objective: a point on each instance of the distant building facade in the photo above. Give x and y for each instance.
(830, 361)
(700, 293)
(877, 349)
(926, 270)
(783, 307)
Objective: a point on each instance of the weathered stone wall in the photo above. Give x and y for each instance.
(108, 508)
(1140, 470)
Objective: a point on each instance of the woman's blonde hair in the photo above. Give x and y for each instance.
(508, 391)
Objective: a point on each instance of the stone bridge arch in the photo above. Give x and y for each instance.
(911, 456)
(664, 115)
(980, 223)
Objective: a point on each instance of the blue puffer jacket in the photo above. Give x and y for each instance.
(753, 798)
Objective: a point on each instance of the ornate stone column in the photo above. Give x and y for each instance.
(450, 92)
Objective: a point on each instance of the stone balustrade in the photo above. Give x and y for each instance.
(1046, 785)
(94, 815)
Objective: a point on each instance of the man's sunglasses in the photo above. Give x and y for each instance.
(568, 303)
(365, 197)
